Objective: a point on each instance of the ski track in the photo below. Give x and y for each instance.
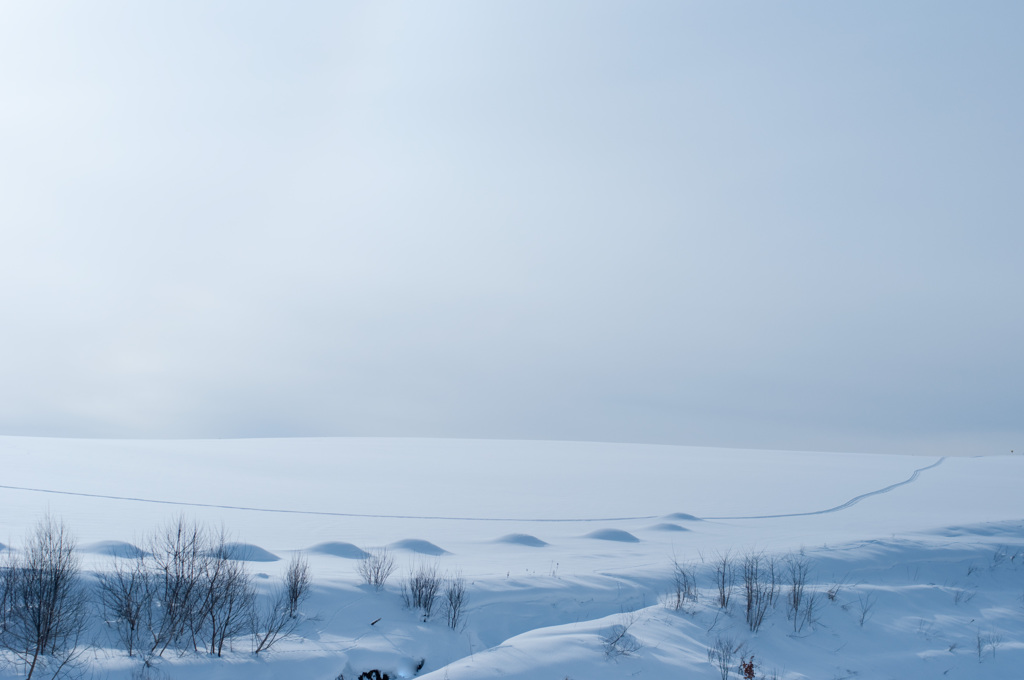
(853, 501)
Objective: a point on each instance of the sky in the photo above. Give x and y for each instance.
(791, 225)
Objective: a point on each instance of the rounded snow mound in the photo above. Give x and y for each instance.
(340, 549)
(682, 516)
(668, 526)
(247, 552)
(522, 539)
(419, 546)
(114, 549)
(613, 535)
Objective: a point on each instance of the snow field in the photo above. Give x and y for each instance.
(563, 545)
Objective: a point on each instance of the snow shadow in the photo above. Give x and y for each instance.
(613, 535)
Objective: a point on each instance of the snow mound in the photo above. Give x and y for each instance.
(340, 549)
(682, 516)
(114, 549)
(522, 539)
(613, 535)
(419, 546)
(667, 526)
(247, 552)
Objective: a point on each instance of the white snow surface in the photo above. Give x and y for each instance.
(560, 542)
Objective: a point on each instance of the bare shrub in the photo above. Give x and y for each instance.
(722, 653)
(760, 587)
(420, 590)
(963, 595)
(725, 575)
(271, 622)
(277, 619)
(297, 583)
(833, 590)
(865, 606)
(453, 601)
(376, 568)
(800, 602)
(988, 641)
(684, 586)
(44, 602)
(619, 641)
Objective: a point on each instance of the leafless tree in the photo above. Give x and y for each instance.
(420, 590)
(376, 568)
(725, 575)
(191, 591)
(180, 557)
(45, 603)
(297, 583)
(454, 600)
(227, 598)
(188, 591)
(126, 598)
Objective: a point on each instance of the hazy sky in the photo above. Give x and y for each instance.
(761, 224)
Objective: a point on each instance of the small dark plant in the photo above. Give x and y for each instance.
(374, 675)
(747, 667)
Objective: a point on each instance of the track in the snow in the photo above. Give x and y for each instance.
(837, 508)
(847, 504)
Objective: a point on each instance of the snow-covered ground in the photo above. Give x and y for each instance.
(916, 561)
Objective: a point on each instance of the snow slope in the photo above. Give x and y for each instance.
(560, 543)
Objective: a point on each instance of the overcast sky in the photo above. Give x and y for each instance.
(764, 224)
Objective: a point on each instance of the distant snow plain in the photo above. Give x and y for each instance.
(917, 561)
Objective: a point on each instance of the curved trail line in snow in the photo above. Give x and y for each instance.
(318, 512)
(81, 494)
(853, 501)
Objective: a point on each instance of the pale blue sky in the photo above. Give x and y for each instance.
(770, 225)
